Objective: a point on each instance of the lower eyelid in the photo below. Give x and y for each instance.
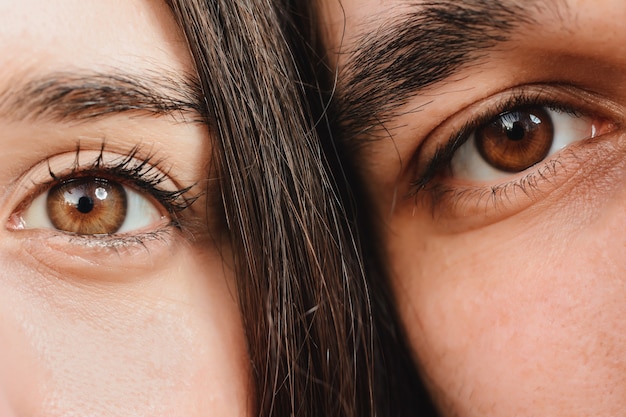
(97, 259)
(463, 207)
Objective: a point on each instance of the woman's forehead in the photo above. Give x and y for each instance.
(90, 35)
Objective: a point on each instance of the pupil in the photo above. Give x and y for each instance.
(516, 132)
(85, 204)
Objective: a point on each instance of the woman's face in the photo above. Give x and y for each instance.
(116, 296)
(498, 169)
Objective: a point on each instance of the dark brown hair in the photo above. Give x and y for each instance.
(396, 387)
(303, 295)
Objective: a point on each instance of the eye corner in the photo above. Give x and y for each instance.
(606, 126)
(15, 222)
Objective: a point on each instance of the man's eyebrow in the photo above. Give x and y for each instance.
(67, 96)
(417, 49)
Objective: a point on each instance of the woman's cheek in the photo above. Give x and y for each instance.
(161, 342)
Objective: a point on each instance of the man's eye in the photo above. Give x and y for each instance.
(90, 206)
(517, 140)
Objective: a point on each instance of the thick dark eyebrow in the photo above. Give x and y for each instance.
(76, 96)
(413, 51)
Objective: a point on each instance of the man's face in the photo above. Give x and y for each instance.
(490, 137)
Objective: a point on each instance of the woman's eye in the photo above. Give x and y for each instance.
(90, 206)
(517, 140)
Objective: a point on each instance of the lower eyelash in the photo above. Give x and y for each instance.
(121, 242)
(493, 196)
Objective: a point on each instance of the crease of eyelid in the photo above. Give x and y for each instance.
(84, 95)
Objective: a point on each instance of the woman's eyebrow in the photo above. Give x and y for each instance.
(67, 96)
(425, 45)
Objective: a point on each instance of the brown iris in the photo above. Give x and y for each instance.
(516, 140)
(87, 206)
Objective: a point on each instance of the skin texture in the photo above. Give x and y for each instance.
(145, 323)
(511, 286)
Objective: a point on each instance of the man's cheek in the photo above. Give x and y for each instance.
(509, 313)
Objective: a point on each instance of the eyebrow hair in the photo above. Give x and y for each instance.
(416, 50)
(65, 96)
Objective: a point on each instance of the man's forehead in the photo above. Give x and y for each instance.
(350, 23)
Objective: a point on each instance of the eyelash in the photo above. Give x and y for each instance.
(144, 174)
(442, 157)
